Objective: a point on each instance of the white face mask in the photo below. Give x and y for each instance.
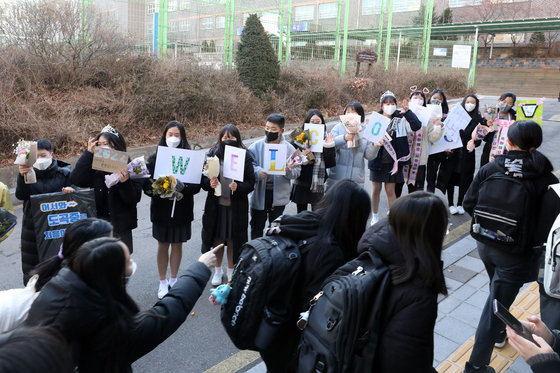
(469, 107)
(418, 101)
(389, 109)
(172, 142)
(42, 163)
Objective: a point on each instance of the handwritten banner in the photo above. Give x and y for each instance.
(500, 137)
(109, 160)
(317, 136)
(275, 156)
(185, 165)
(376, 127)
(530, 110)
(423, 113)
(53, 213)
(457, 120)
(234, 163)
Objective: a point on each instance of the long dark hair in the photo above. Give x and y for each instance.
(358, 108)
(476, 108)
(35, 350)
(343, 212)
(419, 221)
(184, 143)
(444, 105)
(528, 136)
(76, 235)
(232, 130)
(116, 140)
(313, 112)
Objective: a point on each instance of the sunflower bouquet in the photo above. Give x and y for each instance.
(301, 139)
(168, 187)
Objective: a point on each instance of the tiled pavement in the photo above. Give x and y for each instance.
(459, 312)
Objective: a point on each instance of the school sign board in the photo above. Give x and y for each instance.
(185, 165)
(53, 212)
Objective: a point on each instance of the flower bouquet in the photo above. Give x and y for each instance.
(300, 138)
(212, 170)
(298, 158)
(137, 169)
(167, 187)
(352, 123)
(7, 223)
(491, 111)
(26, 155)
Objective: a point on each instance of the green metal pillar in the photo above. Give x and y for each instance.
(337, 35)
(388, 39)
(231, 31)
(225, 58)
(380, 33)
(345, 37)
(281, 35)
(288, 32)
(162, 32)
(470, 82)
(428, 15)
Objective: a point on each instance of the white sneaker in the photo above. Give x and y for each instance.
(163, 289)
(460, 210)
(374, 219)
(217, 278)
(453, 210)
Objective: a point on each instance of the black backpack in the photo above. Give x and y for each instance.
(504, 214)
(258, 305)
(344, 324)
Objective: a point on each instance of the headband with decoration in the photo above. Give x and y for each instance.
(386, 94)
(414, 88)
(111, 130)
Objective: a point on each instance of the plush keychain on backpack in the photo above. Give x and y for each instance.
(220, 294)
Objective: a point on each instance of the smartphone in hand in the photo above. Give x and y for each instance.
(503, 314)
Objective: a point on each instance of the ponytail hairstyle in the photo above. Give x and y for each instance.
(419, 221)
(527, 135)
(76, 235)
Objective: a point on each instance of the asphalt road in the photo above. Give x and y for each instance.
(200, 343)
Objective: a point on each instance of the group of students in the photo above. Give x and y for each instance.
(115, 333)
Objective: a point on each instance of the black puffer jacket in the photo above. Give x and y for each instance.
(116, 204)
(407, 340)
(239, 206)
(51, 180)
(160, 208)
(80, 314)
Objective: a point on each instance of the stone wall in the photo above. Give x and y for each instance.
(523, 63)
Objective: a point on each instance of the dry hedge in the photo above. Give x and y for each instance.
(139, 95)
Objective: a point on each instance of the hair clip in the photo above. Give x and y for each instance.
(426, 90)
(111, 130)
(413, 88)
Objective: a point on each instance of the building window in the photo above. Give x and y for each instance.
(305, 13)
(172, 6)
(184, 26)
(406, 5)
(207, 23)
(459, 3)
(184, 4)
(151, 8)
(371, 7)
(172, 26)
(149, 30)
(220, 22)
(328, 10)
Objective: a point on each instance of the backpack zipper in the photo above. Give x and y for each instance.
(495, 217)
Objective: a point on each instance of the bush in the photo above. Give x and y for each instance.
(256, 61)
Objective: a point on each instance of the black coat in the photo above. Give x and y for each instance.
(51, 180)
(116, 204)
(468, 159)
(239, 206)
(160, 208)
(80, 314)
(540, 182)
(406, 342)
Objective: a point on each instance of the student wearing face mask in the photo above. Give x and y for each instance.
(415, 174)
(272, 192)
(387, 168)
(118, 203)
(350, 161)
(226, 217)
(464, 174)
(167, 230)
(52, 176)
(506, 111)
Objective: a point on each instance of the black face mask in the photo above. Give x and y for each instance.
(229, 142)
(435, 102)
(271, 136)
